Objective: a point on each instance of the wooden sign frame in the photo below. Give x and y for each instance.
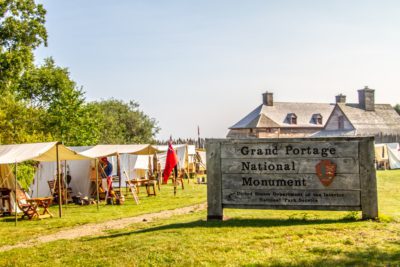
(293, 174)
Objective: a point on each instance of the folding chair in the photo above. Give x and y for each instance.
(30, 210)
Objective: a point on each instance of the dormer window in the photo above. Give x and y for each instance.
(292, 118)
(317, 118)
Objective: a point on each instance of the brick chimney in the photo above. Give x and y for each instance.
(341, 98)
(366, 99)
(268, 99)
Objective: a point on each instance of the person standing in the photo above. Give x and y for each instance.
(106, 170)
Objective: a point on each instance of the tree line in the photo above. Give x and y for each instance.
(41, 103)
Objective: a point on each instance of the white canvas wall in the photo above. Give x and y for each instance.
(394, 155)
(79, 171)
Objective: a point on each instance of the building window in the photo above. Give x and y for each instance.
(317, 118)
(292, 118)
(341, 122)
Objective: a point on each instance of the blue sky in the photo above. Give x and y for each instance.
(206, 63)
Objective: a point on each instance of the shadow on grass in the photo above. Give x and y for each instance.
(371, 256)
(231, 223)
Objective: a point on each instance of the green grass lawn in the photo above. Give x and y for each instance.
(249, 237)
(77, 215)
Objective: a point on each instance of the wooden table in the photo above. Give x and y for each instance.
(43, 202)
(147, 183)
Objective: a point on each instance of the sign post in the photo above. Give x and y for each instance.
(294, 174)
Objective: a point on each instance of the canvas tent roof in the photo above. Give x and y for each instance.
(164, 148)
(10, 154)
(109, 150)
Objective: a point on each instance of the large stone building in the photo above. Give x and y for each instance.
(284, 119)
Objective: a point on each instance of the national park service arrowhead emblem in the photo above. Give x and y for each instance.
(326, 171)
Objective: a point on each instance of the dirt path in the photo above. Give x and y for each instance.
(99, 228)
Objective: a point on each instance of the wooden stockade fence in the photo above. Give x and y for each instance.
(299, 173)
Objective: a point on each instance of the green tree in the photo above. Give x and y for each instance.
(17, 122)
(397, 108)
(49, 90)
(22, 30)
(124, 123)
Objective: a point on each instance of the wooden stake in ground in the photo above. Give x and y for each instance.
(175, 178)
(132, 188)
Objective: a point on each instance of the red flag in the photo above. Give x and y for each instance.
(170, 163)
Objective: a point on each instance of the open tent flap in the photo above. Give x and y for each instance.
(394, 155)
(381, 152)
(181, 152)
(202, 156)
(162, 158)
(191, 152)
(191, 149)
(7, 180)
(136, 166)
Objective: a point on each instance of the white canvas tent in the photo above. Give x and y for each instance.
(116, 150)
(7, 180)
(80, 170)
(11, 154)
(113, 150)
(42, 152)
(46, 171)
(388, 153)
(202, 158)
(135, 166)
(181, 152)
(394, 155)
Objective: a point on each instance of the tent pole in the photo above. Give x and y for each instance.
(65, 183)
(97, 182)
(187, 165)
(119, 172)
(37, 179)
(16, 201)
(37, 183)
(59, 184)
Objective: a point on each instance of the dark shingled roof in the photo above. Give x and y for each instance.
(384, 119)
(276, 116)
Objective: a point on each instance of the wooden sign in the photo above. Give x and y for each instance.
(302, 173)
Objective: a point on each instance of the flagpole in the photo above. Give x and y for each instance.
(198, 135)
